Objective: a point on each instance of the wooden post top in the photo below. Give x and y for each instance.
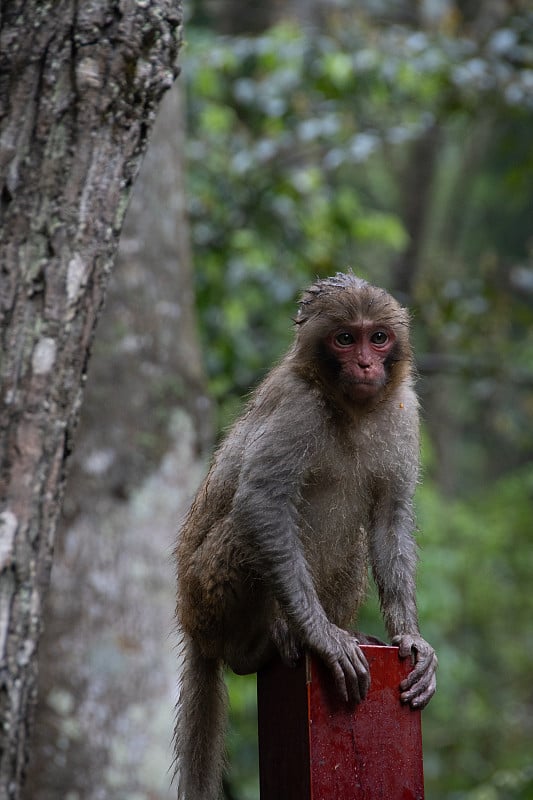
(313, 746)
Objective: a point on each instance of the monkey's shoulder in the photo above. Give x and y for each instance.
(284, 403)
(280, 385)
(264, 439)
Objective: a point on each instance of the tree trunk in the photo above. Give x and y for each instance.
(418, 185)
(79, 87)
(105, 711)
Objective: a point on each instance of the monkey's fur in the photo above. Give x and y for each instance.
(312, 484)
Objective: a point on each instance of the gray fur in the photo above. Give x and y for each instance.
(310, 487)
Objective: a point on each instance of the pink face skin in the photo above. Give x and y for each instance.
(361, 351)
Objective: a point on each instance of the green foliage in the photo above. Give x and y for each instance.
(242, 738)
(301, 152)
(476, 606)
(276, 194)
(297, 154)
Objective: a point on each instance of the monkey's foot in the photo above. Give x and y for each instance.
(366, 638)
(285, 642)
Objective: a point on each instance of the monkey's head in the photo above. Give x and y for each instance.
(352, 338)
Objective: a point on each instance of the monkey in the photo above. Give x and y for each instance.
(311, 486)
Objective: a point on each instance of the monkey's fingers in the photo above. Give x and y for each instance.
(419, 686)
(350, 683)
(341, 683)
(419, 695)
(350, 668)
(424, 664)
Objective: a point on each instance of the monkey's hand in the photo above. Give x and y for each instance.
(341, 653)
(419, 686)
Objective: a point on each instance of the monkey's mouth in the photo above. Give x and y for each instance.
(372, 386)
(355, 380)
(363, 388)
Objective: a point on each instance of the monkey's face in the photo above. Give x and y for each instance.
(362, 353)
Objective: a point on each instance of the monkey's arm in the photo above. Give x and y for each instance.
(394, 558)
(265, 511)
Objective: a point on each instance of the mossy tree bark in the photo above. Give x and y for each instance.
(80, 84)
(107, 660)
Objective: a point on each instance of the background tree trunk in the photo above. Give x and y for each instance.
(416, 208)
(105, 711)
(79, 87)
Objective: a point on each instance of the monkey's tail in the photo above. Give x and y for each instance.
(201, 717)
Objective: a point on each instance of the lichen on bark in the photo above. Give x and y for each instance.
(80, 85)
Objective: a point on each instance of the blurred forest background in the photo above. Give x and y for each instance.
(394, 137)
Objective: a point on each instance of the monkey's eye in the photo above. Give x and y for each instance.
(379, 338)
(344, 339)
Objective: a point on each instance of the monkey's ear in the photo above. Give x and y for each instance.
(301, 316)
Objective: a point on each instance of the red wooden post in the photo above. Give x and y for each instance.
(312, 747)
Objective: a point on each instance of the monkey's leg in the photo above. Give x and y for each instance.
(200, 725)
(245, 660)
(287, 644)
(251, 645)
(255, 631)
(275, 639)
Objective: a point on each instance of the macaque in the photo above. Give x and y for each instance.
(314, 483)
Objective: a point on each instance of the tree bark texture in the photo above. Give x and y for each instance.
(107, 660)
(418, 186)
(79, 87)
